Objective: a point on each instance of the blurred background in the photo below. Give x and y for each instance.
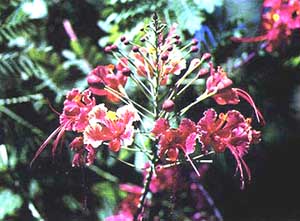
(39, 63)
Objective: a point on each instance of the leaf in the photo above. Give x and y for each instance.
(35, 213)
(9, 203)
(22, 121)
(109, 195)
(3, 158)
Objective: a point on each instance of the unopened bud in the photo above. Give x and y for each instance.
(194, 49)
(155, 17)
(177, 37)
(126, 71)
(77, 143)
(206, 56)
(135, 49)
(164, 57)
(195, 41)
(114, 47)
(126, 42)
(168, 105)
(107, 49)
(202, 71)
(170, 48)
(178, 42)
(123, 38)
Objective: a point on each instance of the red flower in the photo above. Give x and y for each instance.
(219, 83)
(80, 150)
(278, 22)
(163, 179)
(172, 140)
(230, 130)
(170, 59)
(103, 76)
(114, 127)
(74, 117)
(76, 108)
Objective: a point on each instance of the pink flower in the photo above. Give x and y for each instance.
(129, 205)
(144, 67)
(103, 76)
(219, 83)
(230, 130)
(172, 140)
(170, 58)
(278, 22)
(76, 108)
(114, 127)
(121, 216)
(163, 179)
(80, 158)
(74, 117)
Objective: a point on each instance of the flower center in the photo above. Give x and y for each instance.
(276, 17)
(111, 115)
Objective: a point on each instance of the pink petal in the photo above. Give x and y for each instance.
(161, 125)
(190, 143)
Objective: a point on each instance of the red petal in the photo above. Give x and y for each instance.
(161, 125)
(114, 145)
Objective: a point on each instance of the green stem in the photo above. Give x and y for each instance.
(199, 99)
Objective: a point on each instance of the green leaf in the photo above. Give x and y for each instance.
(71, 203)
(9, 203)
(3, 158)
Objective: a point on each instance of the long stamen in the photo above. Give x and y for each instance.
(249, 99)
(44, 145)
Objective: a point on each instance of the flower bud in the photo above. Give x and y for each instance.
(164, 57)
(203, 71)
(126, 42)
(126, 71)
(178, 42)
(194, 49)
(107, 49)
(123, 38)
(77, 143)
(170, 48)
(135, 49)
(114, 47)
(177, 37)
(168, 105)
(206, 56)
(195, 41)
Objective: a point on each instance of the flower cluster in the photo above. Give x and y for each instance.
(279, 19)
(162, 180)
(230, 130)
(160, 70)
(103, 76)
(95, 124)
